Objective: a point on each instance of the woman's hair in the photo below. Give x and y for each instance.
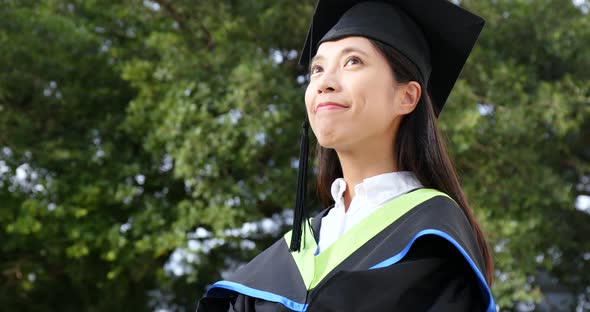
(419, 148)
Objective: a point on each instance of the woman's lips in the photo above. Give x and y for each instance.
(329, 106)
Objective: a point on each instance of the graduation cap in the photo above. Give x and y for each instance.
(436, 35)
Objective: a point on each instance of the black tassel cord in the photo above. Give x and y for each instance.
(300, 213)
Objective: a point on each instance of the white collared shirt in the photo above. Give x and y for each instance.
(369, 196)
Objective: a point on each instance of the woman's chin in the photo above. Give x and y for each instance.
(330, 137)
(328, 142)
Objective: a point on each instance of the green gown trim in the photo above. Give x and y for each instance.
(314, 268)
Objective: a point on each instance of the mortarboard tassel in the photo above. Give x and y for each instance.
(300, 213)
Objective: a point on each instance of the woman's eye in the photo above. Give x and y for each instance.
(315, 69)
(353, 60)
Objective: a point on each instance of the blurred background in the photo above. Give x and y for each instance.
(149, 147)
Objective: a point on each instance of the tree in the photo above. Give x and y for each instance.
(140, 142)
(520, 139)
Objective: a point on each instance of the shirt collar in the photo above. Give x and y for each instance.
(379, 188)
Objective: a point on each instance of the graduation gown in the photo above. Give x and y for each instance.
(415, 253)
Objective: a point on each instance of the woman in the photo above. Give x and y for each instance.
(400, 236)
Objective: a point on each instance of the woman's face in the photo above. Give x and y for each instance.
(352, 99)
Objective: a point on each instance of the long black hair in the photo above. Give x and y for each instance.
(419, 148)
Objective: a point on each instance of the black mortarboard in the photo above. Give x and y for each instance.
(436, 35)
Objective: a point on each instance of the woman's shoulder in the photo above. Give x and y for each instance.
(430, 247)
(432, 276)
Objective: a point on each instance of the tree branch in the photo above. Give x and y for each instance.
(169, 9)
(182, 22)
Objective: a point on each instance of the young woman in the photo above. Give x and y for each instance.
(400, 235)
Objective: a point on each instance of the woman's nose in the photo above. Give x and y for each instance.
(327, 83)
(325, 90)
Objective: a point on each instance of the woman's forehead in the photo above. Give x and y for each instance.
(344, 45)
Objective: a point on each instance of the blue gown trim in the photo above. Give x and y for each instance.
(260, 294)
(301, 307)
(491, 307)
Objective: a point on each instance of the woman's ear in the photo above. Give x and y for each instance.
(410, 95)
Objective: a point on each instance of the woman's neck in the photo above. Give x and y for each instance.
(364, 163)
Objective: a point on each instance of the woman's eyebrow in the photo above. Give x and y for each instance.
(352, 49)
(346, 50)
(316, 58)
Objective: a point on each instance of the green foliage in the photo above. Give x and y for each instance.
(523, 164)
(126, 126)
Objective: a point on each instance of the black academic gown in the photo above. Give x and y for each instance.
(416, 253)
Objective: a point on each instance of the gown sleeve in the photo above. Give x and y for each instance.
(239, 303)
(243, 303)
(457, 284)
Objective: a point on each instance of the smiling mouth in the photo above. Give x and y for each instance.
(329, 106)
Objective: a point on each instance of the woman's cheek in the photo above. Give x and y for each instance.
(309, 99)
(308, 107)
